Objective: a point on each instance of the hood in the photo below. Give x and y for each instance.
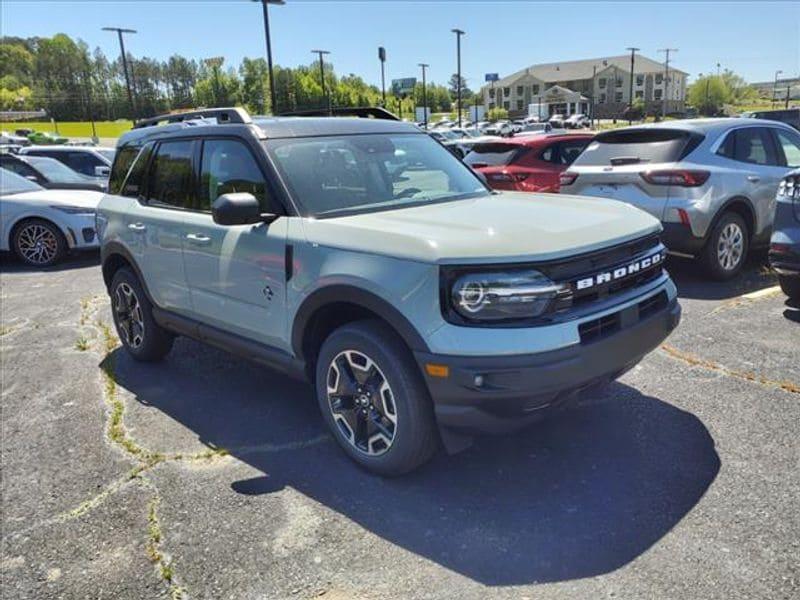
(503, 227)
(83, 198)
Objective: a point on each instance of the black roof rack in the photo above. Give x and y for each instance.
(222, 115)
(364, 112)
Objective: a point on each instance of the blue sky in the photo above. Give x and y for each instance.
(752, 38)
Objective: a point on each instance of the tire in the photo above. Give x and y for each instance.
(138, 332)
(790, 286)
(727, 248)
(404, 417)
(39, 243)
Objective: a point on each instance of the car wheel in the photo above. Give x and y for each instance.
(374, 400)
(726, 250)
(790, 286)
(39, 243)
(138, 331)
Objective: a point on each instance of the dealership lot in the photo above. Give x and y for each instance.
(208, 477)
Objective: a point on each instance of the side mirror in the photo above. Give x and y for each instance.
(239, 208)
(102, 171)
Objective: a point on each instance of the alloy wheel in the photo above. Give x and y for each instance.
(362, 402)
(129, 315)
(37, 244)
(730, 246)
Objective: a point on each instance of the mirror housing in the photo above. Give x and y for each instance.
(102, 171)
(239, 208)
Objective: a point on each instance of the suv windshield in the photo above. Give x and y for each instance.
(331, 176)
(493, 154)
(56, 171)
(635, 146)
(11, 183)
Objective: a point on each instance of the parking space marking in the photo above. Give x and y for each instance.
(710, 365)
(747, 299)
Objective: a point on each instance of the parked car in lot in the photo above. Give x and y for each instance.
(536, 128)
(790, 116)
(577, 122)
(9, 139)
(498, 128)
(413, 303)
(46, 137)
(712, 182)
(41, 226)
(527, 163)
(784, 248)
(92, 161)
(49, 173)
(557, 121)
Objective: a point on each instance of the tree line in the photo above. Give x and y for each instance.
(72, 83)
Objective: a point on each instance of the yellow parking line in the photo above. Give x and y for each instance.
(748, 298)
(765, 293)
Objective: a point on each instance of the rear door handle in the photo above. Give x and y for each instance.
(198, 238)
(137, 227)
(753, 178)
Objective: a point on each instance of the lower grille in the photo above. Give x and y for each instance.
(597, 329)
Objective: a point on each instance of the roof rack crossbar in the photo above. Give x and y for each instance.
(364, 112)
(222, 115)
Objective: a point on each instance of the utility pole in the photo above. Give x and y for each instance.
(382, 58)
(321, 53)
(424, 96)
(458, 33)
(264, 4)
(788, 93)
(120, 31)
(666, 80)
(775, 87)
(594, 75)
(630, 92)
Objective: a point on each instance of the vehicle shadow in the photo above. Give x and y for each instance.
(9, 263)
(792, 312)
(581, 494)
(693, 283)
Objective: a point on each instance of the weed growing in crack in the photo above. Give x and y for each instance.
(82, 344)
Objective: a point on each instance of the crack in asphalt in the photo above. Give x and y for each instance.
(710, 365)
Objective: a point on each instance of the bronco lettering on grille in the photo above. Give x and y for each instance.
(619, 272)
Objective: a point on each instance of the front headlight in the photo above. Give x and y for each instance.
(503, 295)
(74, 210)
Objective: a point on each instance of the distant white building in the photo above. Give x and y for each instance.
(570, 87)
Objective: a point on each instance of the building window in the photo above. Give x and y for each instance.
(535, 88)
(602, 98)
(619, 81)
(639, 94)
(657, 94)
(640, 80)
(602, 83)
(507, 105)
(519, 104)
(659, 79)
(491, 92)
(618, 97)
(491, 105)
(520, 90)
(506, 91)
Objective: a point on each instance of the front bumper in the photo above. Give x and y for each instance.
(516, 390)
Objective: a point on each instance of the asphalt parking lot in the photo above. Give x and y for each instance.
(207, 477)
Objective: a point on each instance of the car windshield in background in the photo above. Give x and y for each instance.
(337, 175)
(11, 183)
(618, 148)
(493, 154)
(56, 171)
(107, 153)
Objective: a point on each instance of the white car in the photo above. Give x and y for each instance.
(9, 139)
(42, 225)
(498, 128)
(577, 121)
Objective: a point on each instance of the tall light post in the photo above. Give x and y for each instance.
(322, 53)
(718, 66)
(264, 3)
(382, 58)
(666, 80)
(775, 87)
(424, 96)
(120, 31)
(630, 88)
(458, 33)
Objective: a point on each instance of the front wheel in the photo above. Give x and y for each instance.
(39, 243)
(790, 286)
(374, 400)
(726, 251)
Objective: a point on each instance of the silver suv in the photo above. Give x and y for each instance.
(360, 255)
(711, 182)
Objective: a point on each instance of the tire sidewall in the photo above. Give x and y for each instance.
(61, 242)
(711, 255)
(153, 336)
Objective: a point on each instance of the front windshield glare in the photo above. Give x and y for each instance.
(353, 173)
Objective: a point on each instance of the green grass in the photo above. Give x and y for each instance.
(105, 129)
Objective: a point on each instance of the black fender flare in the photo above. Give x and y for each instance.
(353, 295)
(112, 249)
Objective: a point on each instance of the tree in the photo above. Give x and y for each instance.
(453, 85)
(255, 84)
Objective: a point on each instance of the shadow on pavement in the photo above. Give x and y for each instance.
(693, 283)
(575, 496)
(9, 263)
(792, 311)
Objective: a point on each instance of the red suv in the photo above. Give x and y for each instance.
(527, 163)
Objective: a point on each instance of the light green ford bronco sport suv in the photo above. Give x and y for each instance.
(360, 255)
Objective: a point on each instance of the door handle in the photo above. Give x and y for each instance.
(137, 227)
(753, 178)
(198, 239)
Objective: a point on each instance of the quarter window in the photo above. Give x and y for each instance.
(790, 142)
(119, 169)
(170, 180)
(228, 166)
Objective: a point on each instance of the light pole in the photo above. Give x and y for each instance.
(775, 87)
(718, 65)
(264, 4)
(630, 88)
(594, 75)
(424, 96)
(120, 31)
(322, 53)
(382, 58)
(458, 33)
(666, 80)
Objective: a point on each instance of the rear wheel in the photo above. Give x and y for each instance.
(39, 243)
(727, 248)
(790, 286)
(374, 400)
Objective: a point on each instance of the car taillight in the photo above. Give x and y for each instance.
(679, 177)
(567, 178)
(507, 177)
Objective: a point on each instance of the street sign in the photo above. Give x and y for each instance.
(492, 77)
(404, 86)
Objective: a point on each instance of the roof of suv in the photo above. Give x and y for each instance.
(284, 127)
(705, 126)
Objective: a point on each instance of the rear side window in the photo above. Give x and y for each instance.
(750, 145)
(637, 146)
(563, 153)
(789, 141)
(228, 166)
(120, 168)
(493, 155)
(170, 177)
(82, 162)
